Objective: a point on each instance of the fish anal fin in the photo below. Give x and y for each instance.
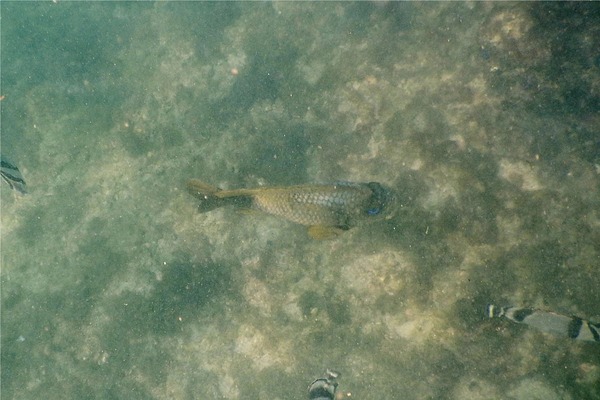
(324, 232)
(247, 211)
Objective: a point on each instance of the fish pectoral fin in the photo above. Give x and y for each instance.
(324, 232)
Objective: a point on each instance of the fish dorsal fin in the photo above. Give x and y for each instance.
(323, 232)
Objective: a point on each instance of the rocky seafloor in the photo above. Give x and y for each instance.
(483, 117)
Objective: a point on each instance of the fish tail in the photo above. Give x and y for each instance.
(198, 188)
(212, 197)
(11, 175)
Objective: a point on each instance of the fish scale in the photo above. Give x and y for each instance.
(329, 205)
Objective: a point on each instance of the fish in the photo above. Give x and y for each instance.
(324, 388)
(11, 175)
(327, 209)
(549, 322)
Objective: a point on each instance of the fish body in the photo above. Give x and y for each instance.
(327, 209)
(549, 322)
(11, 175)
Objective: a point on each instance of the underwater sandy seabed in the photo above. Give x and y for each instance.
(483, 117)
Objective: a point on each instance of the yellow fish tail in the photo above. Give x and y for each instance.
(198, 188)
(212, 197)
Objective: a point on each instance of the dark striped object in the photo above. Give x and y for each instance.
(549, 322)
(11, 175)
(324, 388)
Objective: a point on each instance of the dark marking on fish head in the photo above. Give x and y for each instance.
(380, 202)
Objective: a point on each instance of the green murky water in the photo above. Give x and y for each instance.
(483, 117)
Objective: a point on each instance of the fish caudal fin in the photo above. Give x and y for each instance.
(212, 197)
(200, 189)
(11, 175)
(206, 194)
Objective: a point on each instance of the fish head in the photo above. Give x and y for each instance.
(381, 203)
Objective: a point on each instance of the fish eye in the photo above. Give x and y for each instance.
(374, 211)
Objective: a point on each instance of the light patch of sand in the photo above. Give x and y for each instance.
(260, 350)
(418, 330)
(371, 276)
(257, 295)
(520, 174)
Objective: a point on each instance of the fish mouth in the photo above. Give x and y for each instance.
(383, 202)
